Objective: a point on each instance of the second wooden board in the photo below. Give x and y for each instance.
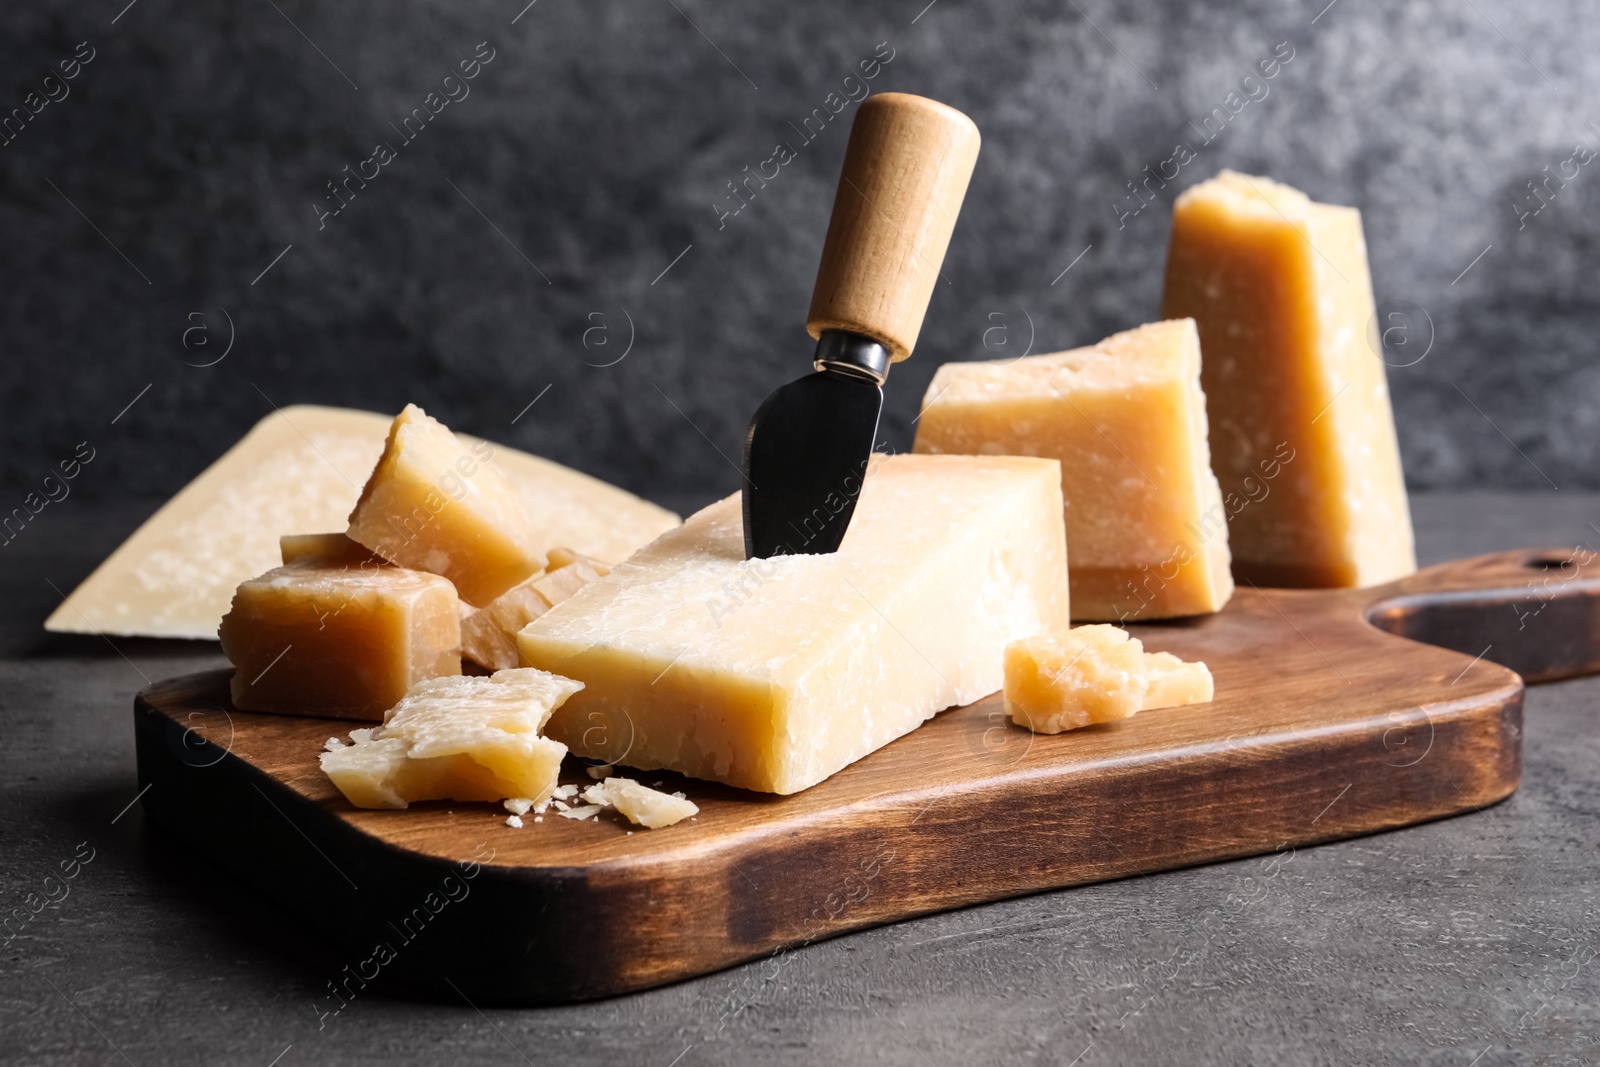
(1325, 726)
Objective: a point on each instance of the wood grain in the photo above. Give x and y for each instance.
(904, 177)
(1325, 726)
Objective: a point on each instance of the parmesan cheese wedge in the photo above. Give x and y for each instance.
(301, 469)
(773, 674)
(1094, 674)
(322, 636)
(1127, 420)
(1280, 289)
(461, 738)
(437, 504)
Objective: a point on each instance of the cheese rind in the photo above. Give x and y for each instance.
(640, 804)
(1094, 674)
(323, 637)
(773, 674)
(301, 468)
(1302, 434)
(1127, 420)
(435, 503)
(463, 738)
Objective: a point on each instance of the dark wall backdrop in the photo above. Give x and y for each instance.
(570, 203)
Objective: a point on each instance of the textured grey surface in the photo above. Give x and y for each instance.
(591, 151)
(1471, 941)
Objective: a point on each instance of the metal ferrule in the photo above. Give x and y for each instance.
(852, 354)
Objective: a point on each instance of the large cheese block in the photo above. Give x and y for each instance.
(773, 674)
(1294, 384)
(1127, 420)
(300, 470)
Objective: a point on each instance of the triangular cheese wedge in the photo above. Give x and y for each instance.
(300, 470)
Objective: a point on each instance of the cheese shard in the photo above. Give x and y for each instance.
(301, 468)
(1127, 420)
(1302, 435)
(324, 637)
(488, 634)
(326, 546)
(773, 674)
(1094, 674)
(640, 804)
(463, 738)
(435, 503)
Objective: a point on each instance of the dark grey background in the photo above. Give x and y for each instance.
(591, 151)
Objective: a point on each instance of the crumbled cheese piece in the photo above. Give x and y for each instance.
(513, 822)
(457, 738)
(582, 813)
(332, 743)
(642, 805)
(518, 805)
(602, 771)
(1094, 674)
(561, 805)
(538, 818)
(565, 792)
(362, 736)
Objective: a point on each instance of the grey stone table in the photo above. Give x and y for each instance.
(1469, 942)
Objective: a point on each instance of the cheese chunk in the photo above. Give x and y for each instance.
(327, 546)
(322, 637)
(642, 805)
(1094, 674)
(457, 739)
(301, 468)
(1302, 435)
(1127, 420)
(435, 504)
(488, 634)
(773, 674)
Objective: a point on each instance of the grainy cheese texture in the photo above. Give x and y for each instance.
(773, 674)
(1127, 420)
(300, 470)
(457, 739)
(1095, 674)
(489, 634)
(435, 503)
(1302, 435)
(324, 636)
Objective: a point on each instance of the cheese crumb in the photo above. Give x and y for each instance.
(513, 822)
(332, 743)
(602, 771)
(1094, 674)
(588, 812)
(518, 805)
(565, 792)
(642, 805)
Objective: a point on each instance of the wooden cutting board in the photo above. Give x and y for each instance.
(1324, 727)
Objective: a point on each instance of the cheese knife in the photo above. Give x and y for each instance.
(905, 173)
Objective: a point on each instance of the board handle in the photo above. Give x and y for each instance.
(1534, 610)
(905, 174)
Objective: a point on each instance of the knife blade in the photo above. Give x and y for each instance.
(905, 174)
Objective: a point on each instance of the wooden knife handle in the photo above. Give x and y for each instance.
(905, 173)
